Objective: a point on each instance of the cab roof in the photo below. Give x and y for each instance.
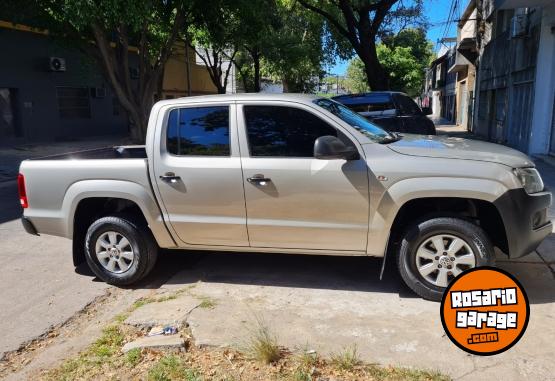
(302, 98)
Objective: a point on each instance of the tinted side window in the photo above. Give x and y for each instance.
(199, 131)
(380, 102)
(369, 103)
(407, 105)
(283, 131)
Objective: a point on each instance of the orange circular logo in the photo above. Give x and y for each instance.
(485, 311)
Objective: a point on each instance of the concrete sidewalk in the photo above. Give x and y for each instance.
(445, 127)
(332, 303)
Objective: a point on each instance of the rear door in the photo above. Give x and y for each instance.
(198, 175)
(294, 200)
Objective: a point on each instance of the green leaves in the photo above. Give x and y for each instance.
(405, 56)
(356, 76)
(405, 74)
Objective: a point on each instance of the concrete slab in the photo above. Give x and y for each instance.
(328, 304)
(168, 343)
(171, 312)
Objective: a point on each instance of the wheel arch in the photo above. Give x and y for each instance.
(449, 194)
(480, 212)
(89, 200)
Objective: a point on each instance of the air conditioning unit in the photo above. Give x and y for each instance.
(98, 92)
(56, 64)
(134, 72)
(519, 26)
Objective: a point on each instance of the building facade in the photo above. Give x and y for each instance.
(50, 92)
(464, 68)
(515, 84)
(440, 86)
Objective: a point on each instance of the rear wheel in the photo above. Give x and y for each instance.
(435, 251)
(120, 251)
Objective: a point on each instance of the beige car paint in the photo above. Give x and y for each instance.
(311, 206)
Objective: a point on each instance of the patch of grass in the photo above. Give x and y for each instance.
(147, 300)
(120, 318)
(346, 360)
(263, 345)
(306, 364)
(380, 373)
(207, 302)
(109, 343)
(133, 357)
(141, 302)
(171, 367)
(90, 362)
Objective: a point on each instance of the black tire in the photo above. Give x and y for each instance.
(145, 249)
(418, 233)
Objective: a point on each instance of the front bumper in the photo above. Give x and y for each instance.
(525, 218)
(28, 226)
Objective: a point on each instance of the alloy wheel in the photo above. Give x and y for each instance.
(114, 252)
(440, 258)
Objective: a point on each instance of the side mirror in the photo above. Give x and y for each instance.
(426, 110)
(332, 148)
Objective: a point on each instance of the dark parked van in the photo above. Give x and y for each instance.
(390, 110)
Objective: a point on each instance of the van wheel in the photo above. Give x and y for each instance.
(433, 252)
(120, 251)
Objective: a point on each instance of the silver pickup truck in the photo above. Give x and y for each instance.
(288, 174)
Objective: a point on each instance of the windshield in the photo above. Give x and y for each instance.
(355, 120)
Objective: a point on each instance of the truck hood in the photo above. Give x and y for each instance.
(459, 148)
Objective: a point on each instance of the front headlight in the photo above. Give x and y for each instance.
(530, 179)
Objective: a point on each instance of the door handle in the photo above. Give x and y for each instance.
(170, 177)
(259, 179)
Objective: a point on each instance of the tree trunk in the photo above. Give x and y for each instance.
(256, 61)
(377, 77)
(360, 30)
(285, 85)
(245, 81)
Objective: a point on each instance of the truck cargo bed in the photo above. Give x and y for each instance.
(116, 152)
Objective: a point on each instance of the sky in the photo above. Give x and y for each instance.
(437, 12)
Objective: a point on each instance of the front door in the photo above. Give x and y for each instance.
(199, 178)
(293, 200)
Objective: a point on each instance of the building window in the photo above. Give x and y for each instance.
(199, 131)
(74, 102)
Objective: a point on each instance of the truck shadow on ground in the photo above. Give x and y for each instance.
(315, 272)
(278, 270)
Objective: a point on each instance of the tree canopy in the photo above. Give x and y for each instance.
(288, 41)
(129, 41)
(404, 56)
(363, 22)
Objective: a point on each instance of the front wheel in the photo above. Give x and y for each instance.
(433, 252)
(120, 251)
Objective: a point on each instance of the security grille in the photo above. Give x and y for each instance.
(74, 102)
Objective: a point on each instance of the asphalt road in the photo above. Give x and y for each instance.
(40, 287)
